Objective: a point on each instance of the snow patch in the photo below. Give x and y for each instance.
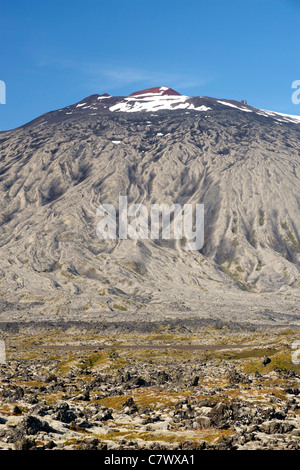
(284, 117)
(278, 116)
(154, 102)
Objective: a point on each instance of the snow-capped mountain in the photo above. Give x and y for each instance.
(154, 146)
(157, 99)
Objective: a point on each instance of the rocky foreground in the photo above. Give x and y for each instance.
(161, 390)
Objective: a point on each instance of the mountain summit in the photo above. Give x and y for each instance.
(154, 146)
(156, 99)
(158, 91)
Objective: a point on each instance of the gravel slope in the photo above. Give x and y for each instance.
(243, 166)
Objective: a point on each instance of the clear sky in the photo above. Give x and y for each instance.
(55, 53)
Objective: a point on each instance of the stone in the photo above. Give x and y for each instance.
(266, 361)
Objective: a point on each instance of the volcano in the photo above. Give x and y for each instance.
(154, 146)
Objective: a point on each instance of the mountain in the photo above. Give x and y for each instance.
(154, 146)
(153, 100)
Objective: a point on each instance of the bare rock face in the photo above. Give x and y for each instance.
(154, 146)
(160, 91)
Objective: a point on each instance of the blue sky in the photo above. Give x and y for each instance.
(56, 53)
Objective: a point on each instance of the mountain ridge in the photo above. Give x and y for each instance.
(155, 99)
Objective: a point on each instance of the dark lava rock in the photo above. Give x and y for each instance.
(85, 396)
(13, 393)
(276, 427)
(140, 382)
(292, 391)
(51, 378)
(266, 361)
(25, 444)
(220, 414)
(94, 444)
(129, 406)
(32, 425)
(17, 410)
(235, 377)
(65, 416)
(163, 377)
(195, 381)
(104, 415)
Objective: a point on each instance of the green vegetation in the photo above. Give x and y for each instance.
(234, 227)
(235, 271)
(235, 242)
(252, 239)
(120, 307)
(261, 217)
(259, 265)
(291, 237)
